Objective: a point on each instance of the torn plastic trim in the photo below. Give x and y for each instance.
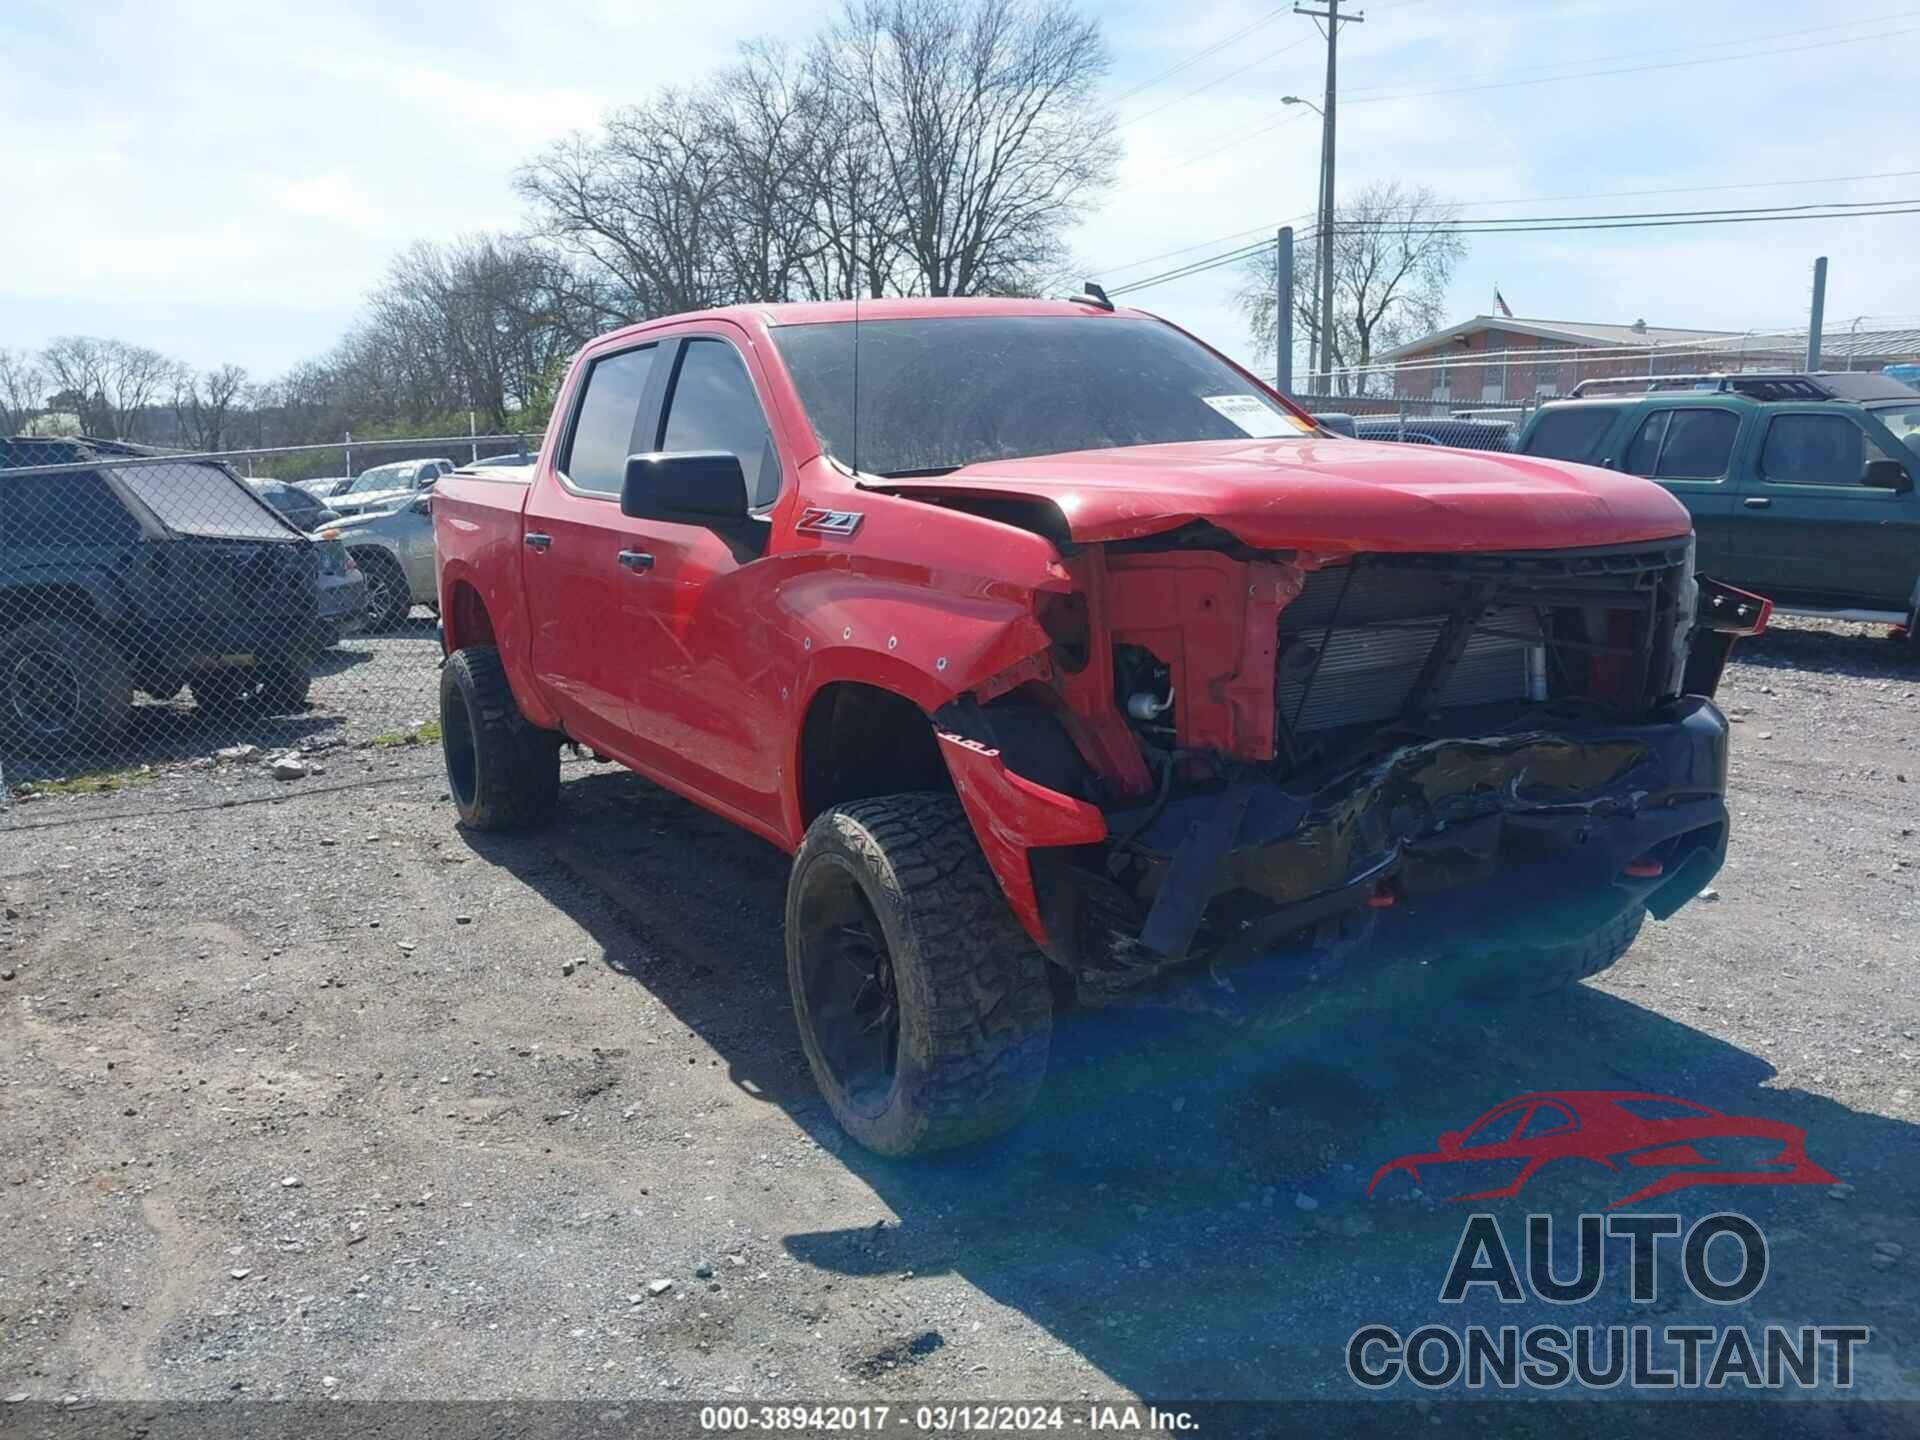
(1012, 816)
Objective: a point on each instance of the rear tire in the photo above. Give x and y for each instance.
(503, 772)
(957, 995)
(1528, 974)
(63, 686)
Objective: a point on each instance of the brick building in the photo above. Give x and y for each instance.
(1498, 359)
(1502, 360)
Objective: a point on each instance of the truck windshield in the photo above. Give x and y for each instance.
(937, 394)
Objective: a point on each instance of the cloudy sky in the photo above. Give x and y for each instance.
(224, 180)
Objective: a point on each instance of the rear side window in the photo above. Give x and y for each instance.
(1684, 445)
(1570, 434)
(62, 510)
(714, 408)
(603, 437)
(1813, 450)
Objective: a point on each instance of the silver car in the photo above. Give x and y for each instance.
(394, 550)
(385, 486)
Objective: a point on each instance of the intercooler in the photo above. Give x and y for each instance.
(1364, 674)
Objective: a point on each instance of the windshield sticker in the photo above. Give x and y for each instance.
(1254, 415)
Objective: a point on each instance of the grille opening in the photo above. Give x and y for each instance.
(1388, 637)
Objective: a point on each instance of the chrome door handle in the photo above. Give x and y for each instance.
(537, 541)
(635, 560)
(1757, 502)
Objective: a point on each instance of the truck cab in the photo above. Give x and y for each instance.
(1801, 487)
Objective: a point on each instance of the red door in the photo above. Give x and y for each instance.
(583, 602)
(704, 695)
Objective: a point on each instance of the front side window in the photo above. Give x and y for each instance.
(713, 407)
(938, 394)
(1904, 422)
(603, 432)
(1570, 434)
(1813, 450)
(1684, 445)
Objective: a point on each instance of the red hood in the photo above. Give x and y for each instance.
(1329, 496)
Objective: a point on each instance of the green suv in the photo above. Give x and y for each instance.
(1801, 486)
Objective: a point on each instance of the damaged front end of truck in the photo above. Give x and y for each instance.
(1228, 750)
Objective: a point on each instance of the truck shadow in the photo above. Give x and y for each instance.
(1186, 1208)
(1861, 652)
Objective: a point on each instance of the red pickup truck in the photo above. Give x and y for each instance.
(1060, 651)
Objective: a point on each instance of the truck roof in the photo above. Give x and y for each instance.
(828, 312)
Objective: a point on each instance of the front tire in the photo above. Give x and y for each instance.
(63, 686)
(503, 772)
(1528, 974)
(924, 1009)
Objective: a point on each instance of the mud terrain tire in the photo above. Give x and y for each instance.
(1526, 974)
(972, 1007)
(503, 772)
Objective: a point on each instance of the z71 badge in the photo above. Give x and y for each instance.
(829, 522)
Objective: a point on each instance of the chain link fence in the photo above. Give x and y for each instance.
(160, 611)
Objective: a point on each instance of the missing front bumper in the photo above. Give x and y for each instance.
(1506, 833)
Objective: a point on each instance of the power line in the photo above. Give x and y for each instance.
(1239, 135)
(1199, 55)
(1105, 270)
(1217, 80)
(1635, 69)
(1551, 224)
(1670, 51)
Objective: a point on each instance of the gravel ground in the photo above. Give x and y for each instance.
(308, 1093)
(367, 685)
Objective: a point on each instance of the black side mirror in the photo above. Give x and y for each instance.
(688, 487)
(1887, 475)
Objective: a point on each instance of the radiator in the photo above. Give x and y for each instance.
(1366, 673)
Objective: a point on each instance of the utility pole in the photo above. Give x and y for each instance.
(1283, 321)
(1331, 30)
(1818, 315)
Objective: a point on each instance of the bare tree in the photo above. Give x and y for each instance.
(990, 140)
(206, 406)
(772, 123)
(1394, 251)
(110, 384)
(919, 147)
(642, 203)
(23, 385)
(478, 324)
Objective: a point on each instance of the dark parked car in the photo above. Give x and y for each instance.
(1461, 434)
(306, 510)
(1801, 486)
(144, 577)
(343, 586)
